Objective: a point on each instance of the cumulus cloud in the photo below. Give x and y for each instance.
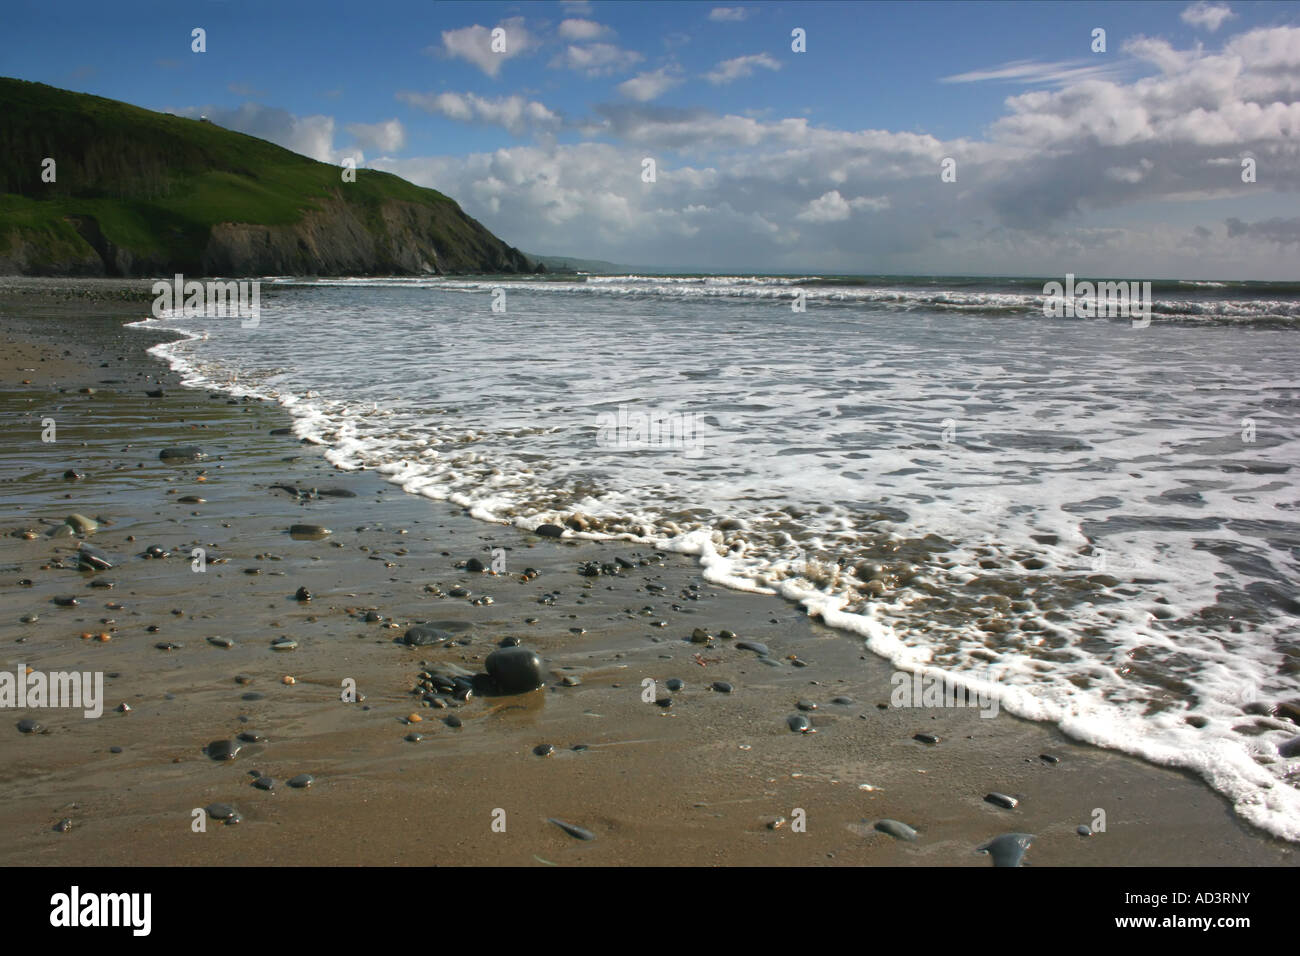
(596, 59)
(1207, 15)
(386, 137)
(577, 28)
(475, 44)
(832, 207)
(741, 66)
(514, 113)
(650, 86)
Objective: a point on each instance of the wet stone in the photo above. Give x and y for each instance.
(722, 687)
(576, 832)
(544, 750)
(302, 594)
(756, 646)
(63, 826)
(674, 684)
(926, 738)
(899, 831)
(799, 724)
(1083, 830)
(516, 670)
(301, 781)
(1002, 800)
(220, 811)
(223, 749)
(264, 783)
(181, 453)
(806, 705)
(425, 635)
(284, 644)
(223, 642)
(413, 737)
(1008, 849)
(252, 736)
(452, 721)
(549, 530)
(29, 726)
(308, 532)
(843, 701)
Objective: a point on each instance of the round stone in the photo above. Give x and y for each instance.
(302, 781)
(516, 670)
(223, 749)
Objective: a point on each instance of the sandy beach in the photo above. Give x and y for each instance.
(695, 776)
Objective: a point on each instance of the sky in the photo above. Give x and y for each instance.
(1116, 154)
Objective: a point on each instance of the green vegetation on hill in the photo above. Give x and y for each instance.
(143, 193)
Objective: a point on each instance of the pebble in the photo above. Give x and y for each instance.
(221, 642)
(549, 530)
(424, 635)
(264, 783)
(283, 644)
(474, 564)
(302, 594)
(154, 551)
(308, 531)
(66, 601)
(452, 721)
(220, 811)
(843, 701)
(1048, 758)
(544, 750)
(700, 636)
(1002, 800)
(573, 831)
(1008, 849)
(81, 524)
(91, 557)
(900, 831)
(181, 453)
(756, 646)
(413, 737)
(1083, 830)
(806, 705)
(722, 687)
(302, 781)
(799, 724)
(926, 738)
(223, 749)
(63, 826)
(252, 736)
(1290, 748)
(124, 708)
(516, 670)
(192, 500)
(168, 646)
(31, 727)
(674, 684)
(664, 702)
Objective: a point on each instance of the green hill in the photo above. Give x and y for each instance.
(139, 193)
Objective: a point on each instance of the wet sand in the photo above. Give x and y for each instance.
(698, 782)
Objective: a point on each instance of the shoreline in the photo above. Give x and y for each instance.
(694, 783)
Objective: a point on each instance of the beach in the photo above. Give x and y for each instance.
(694, 776)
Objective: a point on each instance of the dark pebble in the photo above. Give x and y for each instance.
(307, 531)
(1002, 800)
(573, 831)
(674, 684)
(31, 727)
(264, 783)
(63, 826)
(806, 705)
(223, 749)
(302, 594)
(544, 750)
(549, 530)
(516, 670)
(799, 724)
(474, 564)
(722, 687)
(843, 701)
(926, 738)
(757, 647)
(181, 453)
(220, 811)
(452, 721)
(900, 831)
(302, 781)
(1008, 849)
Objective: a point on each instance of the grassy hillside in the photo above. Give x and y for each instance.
(150, 187)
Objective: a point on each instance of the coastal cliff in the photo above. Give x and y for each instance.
(95, 187)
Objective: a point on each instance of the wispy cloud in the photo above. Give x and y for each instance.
(645, 87)
(577, 28)
(730, 70)
(1035, 71)
(729, 14)
(596, 59)
(514, 113)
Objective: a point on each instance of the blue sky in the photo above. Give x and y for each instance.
(768, 159)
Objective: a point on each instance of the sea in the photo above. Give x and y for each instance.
(1094, 519)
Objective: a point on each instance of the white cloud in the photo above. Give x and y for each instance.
(728, 14)
(386, 137)
(649, 86)
(741, 66)
(475, 44)
(311, 136)
(514, 113)
(832, 207)
(1207, 15)
(1033, 71)
(579, 29)
(597, 59)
